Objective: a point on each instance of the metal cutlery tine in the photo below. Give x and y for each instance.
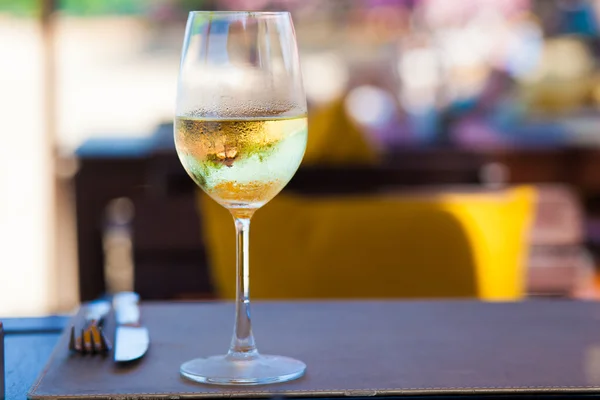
(86, 341)
(75, 341)
(97, 345)
(91, 341)
(104, 341)
(72, 346)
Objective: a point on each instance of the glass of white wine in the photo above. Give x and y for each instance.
(240, 133)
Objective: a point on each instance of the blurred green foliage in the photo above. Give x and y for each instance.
(102, 7)
(30, 8)
(20, 7)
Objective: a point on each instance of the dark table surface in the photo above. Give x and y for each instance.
(30, 341)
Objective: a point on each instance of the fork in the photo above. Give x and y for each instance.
(92, 339)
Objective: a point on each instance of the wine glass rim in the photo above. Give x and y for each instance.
(230, 12)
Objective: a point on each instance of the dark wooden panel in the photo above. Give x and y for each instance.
(97, 182)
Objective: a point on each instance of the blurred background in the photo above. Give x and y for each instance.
(454, 151)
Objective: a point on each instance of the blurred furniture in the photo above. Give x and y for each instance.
(418, 244)
(558, 260)
(167, 246)
(334, 139)
(168, 250)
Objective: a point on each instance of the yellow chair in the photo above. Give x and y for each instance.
(378, 246)
(334, 139)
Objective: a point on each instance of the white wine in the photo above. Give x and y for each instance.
(241, 163)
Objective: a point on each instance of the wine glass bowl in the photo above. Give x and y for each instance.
(240, 133)
(241, 163)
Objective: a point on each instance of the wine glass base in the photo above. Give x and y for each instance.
(260, 370)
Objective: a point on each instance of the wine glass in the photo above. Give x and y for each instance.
(240, 133)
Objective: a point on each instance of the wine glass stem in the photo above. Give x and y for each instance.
(242, 343)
